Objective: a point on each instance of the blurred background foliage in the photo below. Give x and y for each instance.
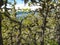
(42, 28)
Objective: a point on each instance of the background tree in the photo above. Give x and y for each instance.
(39, 28)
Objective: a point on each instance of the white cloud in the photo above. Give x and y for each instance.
(19, 6)
(22, 6)
(8, 6)
(35, 7)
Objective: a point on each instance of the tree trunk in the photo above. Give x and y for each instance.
(58, 34)
(43, 28)
(1, 40)
(59, 41)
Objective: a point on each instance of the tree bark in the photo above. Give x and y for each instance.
(1, 39)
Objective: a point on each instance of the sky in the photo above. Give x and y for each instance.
(18, 1)
(20, 4)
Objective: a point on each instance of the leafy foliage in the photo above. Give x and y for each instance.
(35, 29)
